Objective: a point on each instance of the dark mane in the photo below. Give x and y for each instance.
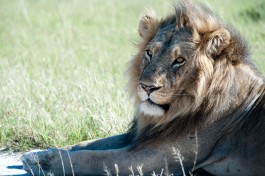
(204, 21)
(250, 109)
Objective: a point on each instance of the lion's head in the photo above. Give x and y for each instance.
(187, 63)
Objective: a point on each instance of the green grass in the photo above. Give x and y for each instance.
(62, 65)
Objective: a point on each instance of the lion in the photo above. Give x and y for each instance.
(199, 100)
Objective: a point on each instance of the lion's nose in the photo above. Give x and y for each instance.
(149, 88)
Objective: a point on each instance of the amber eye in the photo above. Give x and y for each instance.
(148, 55)
(178, 62)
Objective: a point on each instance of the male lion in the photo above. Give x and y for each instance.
(200, 106)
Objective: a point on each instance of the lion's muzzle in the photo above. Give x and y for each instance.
(155, 99)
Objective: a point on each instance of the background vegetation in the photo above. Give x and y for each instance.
(62, 64)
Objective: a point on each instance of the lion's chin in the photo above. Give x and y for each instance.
(150, 109)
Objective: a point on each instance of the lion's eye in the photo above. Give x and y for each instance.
(148, 55)
(178, 62)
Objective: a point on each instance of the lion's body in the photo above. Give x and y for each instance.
(200, 105)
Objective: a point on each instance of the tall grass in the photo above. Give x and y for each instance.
(62, 65)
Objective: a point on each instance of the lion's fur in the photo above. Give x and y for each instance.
(216, 87)
(209, 105)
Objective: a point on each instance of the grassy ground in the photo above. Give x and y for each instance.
(62, 65)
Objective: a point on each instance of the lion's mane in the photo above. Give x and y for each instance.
(214, 91)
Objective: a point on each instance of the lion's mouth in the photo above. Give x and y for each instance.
(164, 106)
(148, 107)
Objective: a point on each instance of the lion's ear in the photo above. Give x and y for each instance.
(217, 41)
(148, 25)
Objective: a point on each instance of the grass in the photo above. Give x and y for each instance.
(62, 65)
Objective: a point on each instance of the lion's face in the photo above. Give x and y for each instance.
(165, 62)
(174, 67)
